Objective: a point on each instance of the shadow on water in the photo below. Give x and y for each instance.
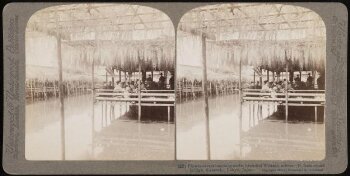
(150, 114)
(299, 114)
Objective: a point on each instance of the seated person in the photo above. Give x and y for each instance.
(274, 90)
(251, 85)
(127, 90)
(132, 86)
(265, 87)
(161, 81)
(153, 85)
(149, 79)
(110, 86)
(118, 87)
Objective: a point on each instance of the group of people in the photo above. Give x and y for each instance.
(297, 84)
(135, 86)
(276, 86)
(161, 84)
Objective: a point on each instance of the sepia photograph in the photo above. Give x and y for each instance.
(250, 83)
(174, 88)
(100, 83)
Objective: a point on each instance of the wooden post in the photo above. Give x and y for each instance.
(139, 105)
(286, 87)
(168, 114)
(113, 77)
(102, 106)
(260, 77)
(93, 97)
(193, 91)
(60, 83)
(273, 76)
(32, 89)
(254, 78)
(120, 75)
(93, 104)
(210, 88)
(315, 114)
(240, 103)
(268, 76)
(313, 79)
(54, 89)
(152, 74)
(206, 104)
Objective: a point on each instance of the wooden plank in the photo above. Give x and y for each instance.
(282, 94)
(158, 91)
(259, 90)
(121, 95)
(283, 99)
(136, 99)
(151, 104)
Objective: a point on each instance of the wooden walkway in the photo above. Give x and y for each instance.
(154, 98)
(304, 98)
(186, 91)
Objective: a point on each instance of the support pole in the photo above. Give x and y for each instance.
(61, 95)
(93, 98)
(260, 77)
(113, 77)
(93, 105)
(32, 89)
(139, 104)
(120, 75)
(204, 83)
(253, 79)
(240, 104)
(315, 114)
(286, 87)
(168, 114)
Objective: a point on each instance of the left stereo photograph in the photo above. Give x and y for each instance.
(100, 83)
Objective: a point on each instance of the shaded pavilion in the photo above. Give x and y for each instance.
(277, 38)
(82, 37)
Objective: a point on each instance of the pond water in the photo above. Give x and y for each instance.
(254, 137)
(108, 135)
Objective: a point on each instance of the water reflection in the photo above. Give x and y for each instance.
(258, 138)
(115, 137)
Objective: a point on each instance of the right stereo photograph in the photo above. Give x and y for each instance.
(250, 83)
